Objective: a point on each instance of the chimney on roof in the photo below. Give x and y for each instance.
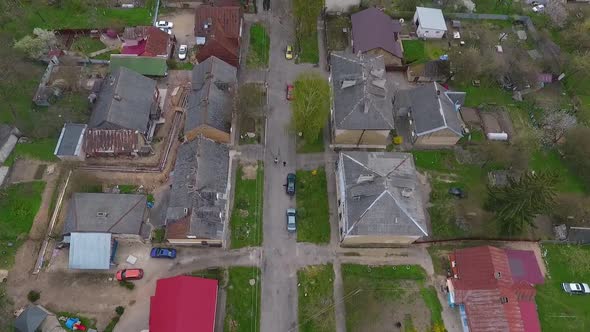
(117, 97)
(407, 192)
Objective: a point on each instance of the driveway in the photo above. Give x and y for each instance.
(184, 25)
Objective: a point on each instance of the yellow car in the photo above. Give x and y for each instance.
(289, 52)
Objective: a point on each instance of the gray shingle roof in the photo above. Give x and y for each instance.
(361, 97)
(381, 193)
(70, 140)
(211, 98)
(90, 251)
(30, 319)
(5, 132)
(108, 213)
(372, 28)
(124, 102)
(199, 184)
(432, 112)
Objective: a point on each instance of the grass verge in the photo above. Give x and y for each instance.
(90, 323)
(243, 300)
(304, 146)
(87, 45)
(41, 149)
(313, 222)
(316, 299)
(258, 51)
(19, 204)
(308, 48)
(388, 294)
(246, 218)
(213, 273)
(559, 311)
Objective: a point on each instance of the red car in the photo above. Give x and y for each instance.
(129, 274)
(290, 92)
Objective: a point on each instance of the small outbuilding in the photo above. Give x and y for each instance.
(70, 145)
(8, 138)
(90, 251)
(430, 23)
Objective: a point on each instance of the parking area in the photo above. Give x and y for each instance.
(184, 25)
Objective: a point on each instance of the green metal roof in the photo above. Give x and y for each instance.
(149, 66)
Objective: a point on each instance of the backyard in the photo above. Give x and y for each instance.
(559, 311)
(41, 149)
(243, 299)
(259, 47)
(380, 297)
(246, 218)
(19, 204)
(338, 32)
(313, 222)
(316, 300)
(87, 45)
(419, 51)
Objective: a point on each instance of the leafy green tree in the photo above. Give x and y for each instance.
(311, 104)
(38, 45)
(517, 204)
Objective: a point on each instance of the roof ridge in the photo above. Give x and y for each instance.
(364, 212)
(363, 165)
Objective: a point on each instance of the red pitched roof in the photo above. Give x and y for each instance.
(229, 18)
(220, 46)
(482, 281)
(183, 304)
(157, 42)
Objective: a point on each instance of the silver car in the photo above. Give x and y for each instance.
(291, 220)
(182, 51)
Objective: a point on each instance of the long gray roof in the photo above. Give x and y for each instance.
(90, 251)
(107, 213)
(199, 184)
(381, 194)
(124, 102)
(70, 140)
(432, 108)
(362, 99)
(5, 132)
(211, 98)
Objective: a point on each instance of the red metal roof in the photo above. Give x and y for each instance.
(110, 142)
(183, 304)
(492, 301)
(138, 49)
(530, 317)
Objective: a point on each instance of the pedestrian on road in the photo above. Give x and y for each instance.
(284, 163)
(276, 160)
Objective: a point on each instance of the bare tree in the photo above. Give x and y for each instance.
(556, 124)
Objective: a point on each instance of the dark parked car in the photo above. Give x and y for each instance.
(457, 192)
(163, 253)
(290, 187)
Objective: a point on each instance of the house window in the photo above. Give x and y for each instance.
(503, 299)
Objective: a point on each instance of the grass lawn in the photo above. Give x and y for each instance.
(308, 48)
(313, 222)
(87, 45)
(215, 273)
(316, 299)
(338, 39)
(551, 161)
(128, 188)
(379, 297)
(246, 218)
(495, 7)
(107, 55)
(559, 311)
(259, 47)
(414, 51)
(19, 204)
(88, 322)
(491, 94)
(243, 300)
(447, 172)
(41, 149)
(303, 146)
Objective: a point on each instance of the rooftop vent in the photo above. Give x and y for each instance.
(221, 196)
(190, 186)
(378, 72)
(348, 83)
(379, 83)
(407, 192)
(503, 299)
(365, 178)
(498, 275)
(223, 86)
(117, 97)
(102, 214)
(185, 211)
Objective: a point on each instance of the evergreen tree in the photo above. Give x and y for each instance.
(517, 204)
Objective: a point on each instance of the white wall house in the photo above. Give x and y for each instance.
(430, 23)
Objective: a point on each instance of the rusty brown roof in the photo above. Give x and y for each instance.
(106, 141)
(229, 17)
(178, 229)
(157, 42)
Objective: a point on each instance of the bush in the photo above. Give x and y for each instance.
(120, 310)
(33, 296)
(159, 235)
(127, 284)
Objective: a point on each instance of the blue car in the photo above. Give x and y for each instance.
(163, 253)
